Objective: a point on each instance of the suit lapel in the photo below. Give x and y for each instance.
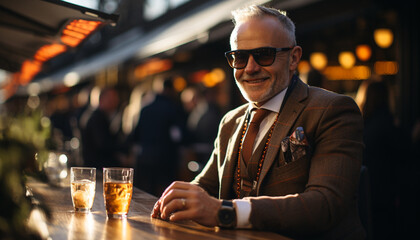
(288, 115)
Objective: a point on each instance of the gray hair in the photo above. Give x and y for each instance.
(258, 11)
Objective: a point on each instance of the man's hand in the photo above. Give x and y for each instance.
(185, 201)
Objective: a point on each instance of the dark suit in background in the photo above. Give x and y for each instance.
(99, 143)
(157, 135)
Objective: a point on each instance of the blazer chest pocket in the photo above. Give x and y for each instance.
(286, 179)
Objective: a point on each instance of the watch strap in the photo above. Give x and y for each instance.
(227, 203)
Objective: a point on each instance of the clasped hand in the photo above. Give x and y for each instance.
(186, 201)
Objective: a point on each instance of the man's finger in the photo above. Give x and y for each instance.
(176, 185)
(156, 210)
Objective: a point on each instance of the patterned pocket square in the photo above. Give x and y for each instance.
(295, 146)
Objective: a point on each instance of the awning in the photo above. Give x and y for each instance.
(34, 31)
(27, 25)
(134, 44)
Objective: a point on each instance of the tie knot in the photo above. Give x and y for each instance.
(259, 115)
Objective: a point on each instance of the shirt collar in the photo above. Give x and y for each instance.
(273, 104)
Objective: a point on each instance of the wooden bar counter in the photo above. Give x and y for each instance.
(65, 223)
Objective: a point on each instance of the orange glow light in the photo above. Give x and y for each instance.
(180, 83)
(152, 67)
(363, 52)
(199, 75)
(318, 60)
(383, 37)
(346, 59)
(341, 73)
(70, 41)
(386, 67)
(214, 77)
(77, 30)
(85, 24)
(47, 52)
(72, 35)
(304, 67)
(28, 71)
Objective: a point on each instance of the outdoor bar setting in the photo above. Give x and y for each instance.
(209, 119)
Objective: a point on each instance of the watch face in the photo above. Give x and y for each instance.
(226, 216)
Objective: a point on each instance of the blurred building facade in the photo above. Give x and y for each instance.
(167, 37)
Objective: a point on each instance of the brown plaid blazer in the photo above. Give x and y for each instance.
(313, 197)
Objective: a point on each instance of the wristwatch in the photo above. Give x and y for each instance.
(227, 215)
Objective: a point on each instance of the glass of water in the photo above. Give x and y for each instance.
(83, 185)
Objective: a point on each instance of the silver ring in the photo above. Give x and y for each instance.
(184, 202)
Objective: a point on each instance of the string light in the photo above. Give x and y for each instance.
(346, 59)
(363, 52)
(318, 60)
(383, 37)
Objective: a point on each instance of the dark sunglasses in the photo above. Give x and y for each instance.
(264, 56)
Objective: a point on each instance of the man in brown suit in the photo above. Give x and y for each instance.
(302, 177)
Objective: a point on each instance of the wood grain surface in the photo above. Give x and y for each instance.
(65, 223)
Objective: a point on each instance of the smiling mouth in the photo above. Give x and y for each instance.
(255, 81)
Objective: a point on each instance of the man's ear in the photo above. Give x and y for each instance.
(295, 58)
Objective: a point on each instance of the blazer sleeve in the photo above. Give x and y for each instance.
(335, 164)
(208, 178)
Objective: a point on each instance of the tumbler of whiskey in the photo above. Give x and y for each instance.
(83, 182)
(118, 190)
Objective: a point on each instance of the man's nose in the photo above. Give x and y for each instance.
(252, 66)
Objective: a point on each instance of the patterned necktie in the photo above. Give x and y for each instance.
(254, 126)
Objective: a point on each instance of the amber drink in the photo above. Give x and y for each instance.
(83, 181)
(118, 190)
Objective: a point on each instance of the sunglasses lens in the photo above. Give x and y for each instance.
(264, 56)
(238, 59)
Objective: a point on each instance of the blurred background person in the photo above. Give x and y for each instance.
(93, 103)
(100, 144)
(203, 120)
(382, 149)
(131, 112)
(130, 118)
(157, 137)
(80, 102)
(315, 78)
(61, 120)
(415, 138)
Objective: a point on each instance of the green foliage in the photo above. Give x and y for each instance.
(23, 150)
